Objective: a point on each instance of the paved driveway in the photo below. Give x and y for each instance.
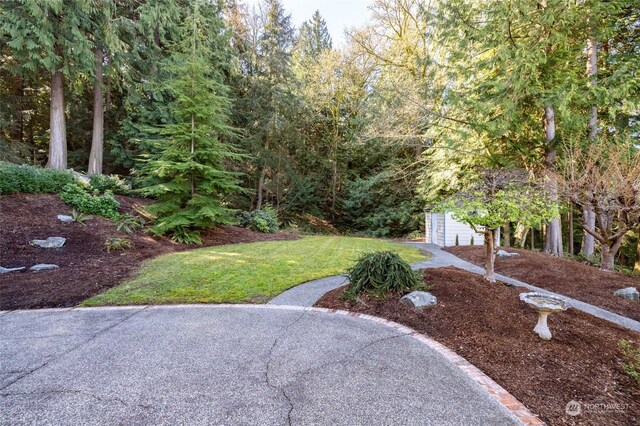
(229, 366)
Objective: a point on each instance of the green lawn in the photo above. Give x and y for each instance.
(253, 272)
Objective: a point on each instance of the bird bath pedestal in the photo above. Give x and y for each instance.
(544, 304)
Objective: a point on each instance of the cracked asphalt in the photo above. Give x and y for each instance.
(226, 365)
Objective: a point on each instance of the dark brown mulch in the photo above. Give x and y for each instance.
(489, 326)
(85, 266)
(563, 276)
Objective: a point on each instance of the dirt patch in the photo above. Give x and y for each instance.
(563, 276)
(489, 326)
(86, 268)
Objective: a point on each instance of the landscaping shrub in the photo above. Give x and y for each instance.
(631, 357)
(31, 179)
(382, 272)
(129, 223)
(117, 243)
(113, 183)
(88, 202)
(263, 220)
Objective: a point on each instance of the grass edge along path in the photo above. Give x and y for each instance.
(236, 273)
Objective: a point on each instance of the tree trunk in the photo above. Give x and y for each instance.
(588, 241)
(506, 230)
(263, 172)
(262, 176)
(192, 152)
(636, 266)
(532, 240)
(607, 261)
(58, 130)
(97, 139)
(489, 241)
(17, 134)
(553, 242)
(570, 225)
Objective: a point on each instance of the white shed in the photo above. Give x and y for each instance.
(442, 229)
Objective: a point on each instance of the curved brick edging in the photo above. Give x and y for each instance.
(504, 398)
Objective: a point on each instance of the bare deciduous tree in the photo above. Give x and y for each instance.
(605, 178)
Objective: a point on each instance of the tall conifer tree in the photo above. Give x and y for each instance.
(190, 180)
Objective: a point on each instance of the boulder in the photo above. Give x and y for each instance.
(630, 293)
(51, 242)
(43, 267)
(7, 270)
(65, 218)
(502, 253)
(419, 299)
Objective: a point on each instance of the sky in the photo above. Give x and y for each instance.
(339, 14)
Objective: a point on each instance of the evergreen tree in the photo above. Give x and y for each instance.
(187, 167)
(51, 37)
(314, 37)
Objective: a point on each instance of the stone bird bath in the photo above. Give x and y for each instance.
(544, 304)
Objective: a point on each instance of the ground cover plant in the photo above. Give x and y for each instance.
(87, 200)
(30, 179)
(243, 273)
(493, 329)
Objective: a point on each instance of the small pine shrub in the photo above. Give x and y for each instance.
(263, 220)
(30, 179)
(457, 240)
(117, 243)
(631, 357)
(113, 183)
(471, 241)
(382, 272)
(81, 199)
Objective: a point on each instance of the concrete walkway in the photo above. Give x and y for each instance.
(309, 293)
(232, 365)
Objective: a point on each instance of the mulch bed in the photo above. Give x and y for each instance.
(489, 326)
(563, 276)
(85, 266)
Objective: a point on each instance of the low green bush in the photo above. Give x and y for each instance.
(91, 202)
(113, 183)
(129, 223)
(382, 272)
(117, 243)
(263, 220)
(25, 178)
(631, 355)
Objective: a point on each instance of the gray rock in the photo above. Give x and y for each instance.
(43, 267)
(419, 299)
(630, 293)
(51, 242)
(82, 178)
(7, 270)
(502, 253)
(65, 218)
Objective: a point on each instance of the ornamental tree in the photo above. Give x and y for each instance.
(604, 177)
(496, 197)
